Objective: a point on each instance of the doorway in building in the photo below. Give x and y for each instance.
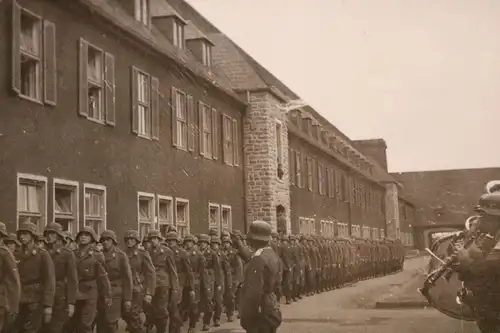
(281, 219)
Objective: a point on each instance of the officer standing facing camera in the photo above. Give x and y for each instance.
(259, 309)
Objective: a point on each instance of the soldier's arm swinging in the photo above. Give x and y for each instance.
(149, 274)
(189, 272)
(49, 279)
(126, 273)
(102, 277)
(11, 280)
(71, 279)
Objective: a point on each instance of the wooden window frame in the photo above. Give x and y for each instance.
(219, 216)
(230, 210)
(227, 140)
(187, 223)
(178, 37)
(38, 181)
(164, 198)
(206, 130)
(101, 188)
(298, 169)
(139, 15)
(151, 197)
(278, 136)
(75, 186)
(310, 183)
(206, 50)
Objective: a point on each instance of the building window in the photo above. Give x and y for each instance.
(145, 213)
(32, 200)
(97, 84)
(279, 146)
(165, 213)
(94, 207)
(182, 216)
(226, 218)
(309, 163)
(142, 11)
(207, 54)
(206, 114)
(227, 134)
(311, 227)
(381, 233)
(178, 34)
(291, 167)
(31, 55)
(145, 105)
(298, 169)
(213, 215)
(367, 232)
(66, 204)
(321, 179)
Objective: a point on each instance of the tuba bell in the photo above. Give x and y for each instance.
(477, 239)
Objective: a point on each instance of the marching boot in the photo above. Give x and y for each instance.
(205, 327)
(216, 323)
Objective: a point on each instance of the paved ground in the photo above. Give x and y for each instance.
(352, 310)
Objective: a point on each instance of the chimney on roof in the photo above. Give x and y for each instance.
(376, 149)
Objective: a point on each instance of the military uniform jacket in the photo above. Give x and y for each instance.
(165, 268)
(143, 271)
(197, 262)
(36, 271)
(213, 273)
(10, 283)
(119, 273)
(184, 269)
(285, 254)
(261, 279)
(65, 271)
(226, 280)
(92, 276)
(235, 266)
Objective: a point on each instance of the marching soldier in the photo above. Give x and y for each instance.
(38, 283)
(225, 282)
(260, 310)
(167, 290)
(117, 266)
(197, 263)
(92, 281)
(186, 280)
(143, 280)
(297, 268)
(10, 284)
(212, 281)
(236, 271)
(66, 278)
(12, 242)
(275, 247)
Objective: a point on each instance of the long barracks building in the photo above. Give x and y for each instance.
(140, 114)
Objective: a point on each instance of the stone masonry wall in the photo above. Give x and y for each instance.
(263, 190)
(392, 210)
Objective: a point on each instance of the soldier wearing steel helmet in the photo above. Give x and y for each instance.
(259, 308)
(93, 282)
(143, 280)
(117, 266)
(198, 263)
(479, 266)
(36, 271)
(167, 290)
(225, 281)
(10, 284)
(236, 271)
(212, 281)
(186, 280)
(285, 252)
(66, 278)
(12, 242)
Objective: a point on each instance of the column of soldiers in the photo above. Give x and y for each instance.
(55, 283)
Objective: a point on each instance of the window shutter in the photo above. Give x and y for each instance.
(49, 63)
(215, 135)
(134, 86)
(236, 143)
(83, 89)
(155, 108)
(201, 128)
(173, 109)
(291, 171)
(225, 153)
(16, 47)
(191, 123)
(109, 81)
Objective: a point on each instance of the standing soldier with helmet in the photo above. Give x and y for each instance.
(275, 247)
(225, 283)
(212, 280)
(186, 280)
(11, 242)
(38, 283)
(260, 309)
(197, 262)
(285, 252)
(10, 284)
(143, 279)
(117, 266)
(236, 271)
(92, 281)
(167, 281)
(66, 278)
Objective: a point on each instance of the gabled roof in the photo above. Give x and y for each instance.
(112, 11)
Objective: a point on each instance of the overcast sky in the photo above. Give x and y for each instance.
(422, 74)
